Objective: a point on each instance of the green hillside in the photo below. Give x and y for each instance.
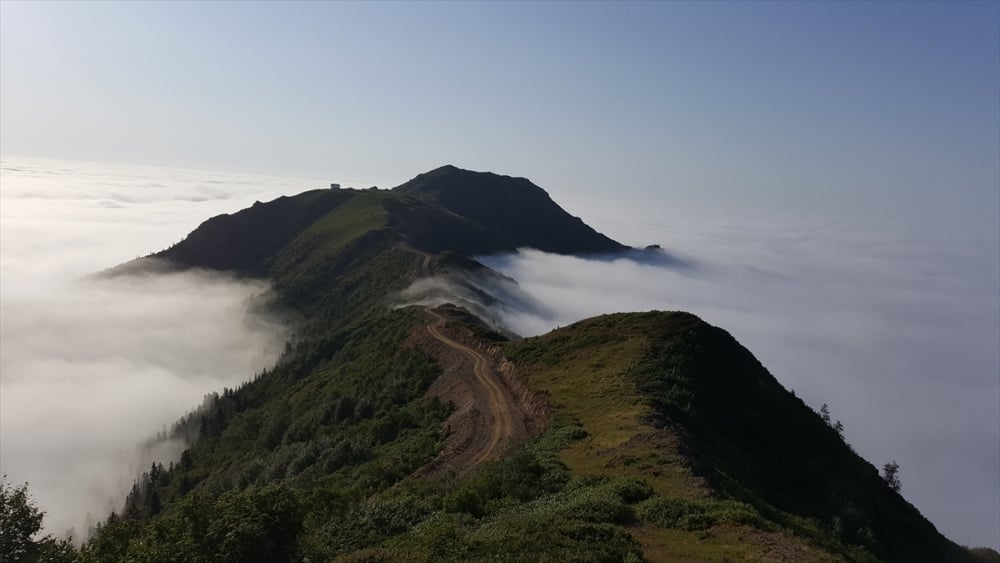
(671, 399)
(647, 436)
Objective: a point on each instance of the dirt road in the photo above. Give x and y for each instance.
(500, 405)
(488, 417)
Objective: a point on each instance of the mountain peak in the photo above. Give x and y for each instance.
(514, 208)
(460, 177)
(445, 169)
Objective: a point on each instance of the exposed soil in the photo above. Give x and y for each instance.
(494, 409)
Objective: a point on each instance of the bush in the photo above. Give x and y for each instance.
(691, 515)
(630, 489)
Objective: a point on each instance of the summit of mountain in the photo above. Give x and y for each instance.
(446, 209)
(515, 208)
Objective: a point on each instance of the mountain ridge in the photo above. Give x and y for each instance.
(663, 438)
(428, 212)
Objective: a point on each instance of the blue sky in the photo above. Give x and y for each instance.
(861, 108)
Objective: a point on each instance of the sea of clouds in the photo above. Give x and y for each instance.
(89, 367)
(895, 326)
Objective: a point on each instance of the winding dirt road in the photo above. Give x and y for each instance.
(500, 405)
(488, 417)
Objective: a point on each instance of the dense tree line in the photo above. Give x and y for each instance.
(352, 417)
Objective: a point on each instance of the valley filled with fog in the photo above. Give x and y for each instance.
(92, 367)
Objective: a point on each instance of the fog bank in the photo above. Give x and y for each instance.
(89, 368)
(93, 369)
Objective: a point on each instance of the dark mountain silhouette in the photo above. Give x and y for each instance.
(246, 240)
(516, 210)
(447, 209)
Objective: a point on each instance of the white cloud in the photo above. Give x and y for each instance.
(92, 370)
(89, 368)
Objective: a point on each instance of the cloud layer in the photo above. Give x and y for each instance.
(895, 328)
(896, 331)
(92, 367)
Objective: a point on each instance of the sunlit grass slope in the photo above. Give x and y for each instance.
(732, 456)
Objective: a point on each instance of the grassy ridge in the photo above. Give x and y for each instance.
(681, 404)
(669, 440)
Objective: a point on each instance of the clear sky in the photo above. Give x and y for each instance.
(853, 107)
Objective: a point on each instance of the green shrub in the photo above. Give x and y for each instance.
(691, 515)
(630, 489)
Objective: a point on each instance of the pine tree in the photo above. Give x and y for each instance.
(890, 473)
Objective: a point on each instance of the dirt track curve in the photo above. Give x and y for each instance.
(488, 418)
(492, 407)
(500, 405)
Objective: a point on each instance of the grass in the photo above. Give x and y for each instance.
(589, 372)
(584, 370)
(526, 506)
(308, 255)
(724, 544)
